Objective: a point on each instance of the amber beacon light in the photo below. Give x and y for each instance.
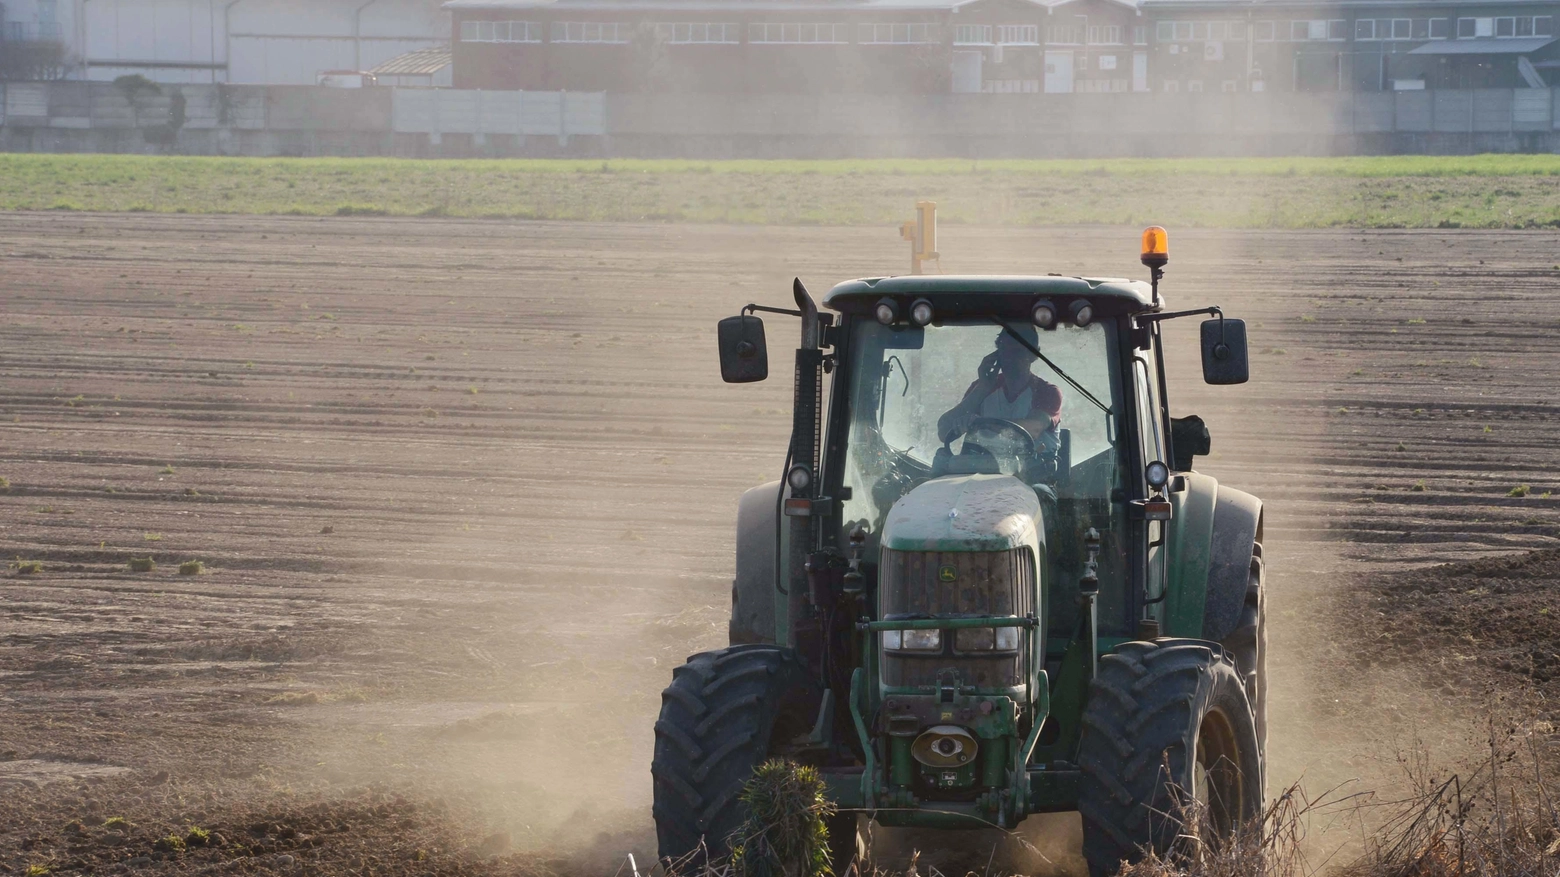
(1156, 247)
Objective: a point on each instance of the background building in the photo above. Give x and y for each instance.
(237, 41)
(1239, 45)
(799, 46)
(1002, 46)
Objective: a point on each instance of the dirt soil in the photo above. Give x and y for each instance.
(462, 492)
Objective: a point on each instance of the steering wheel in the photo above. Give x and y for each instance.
(1026, 442)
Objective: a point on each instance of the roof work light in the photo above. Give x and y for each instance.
(1156, 247)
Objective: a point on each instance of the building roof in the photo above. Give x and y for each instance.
(1507, 46)
(419, 62)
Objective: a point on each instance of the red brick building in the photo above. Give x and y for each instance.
(800, 46)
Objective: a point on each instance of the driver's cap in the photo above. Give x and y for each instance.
(1024, 330)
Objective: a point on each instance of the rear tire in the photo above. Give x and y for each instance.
(1166, 721)
(720, 718)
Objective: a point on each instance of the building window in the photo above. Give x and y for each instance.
(1264, 31)
(1319, 29)
(1104, 34)
(1018, 34)
(912, 33)
(1440, 28)
(1506, 26)
(972, 35)
(1107, 62)
(591, 32)
(1164, 31)
(787, 32)
(1064, 35)
(689, 32)
(1011, 86)
(1364, 29)
(1475, 27)
(500, 32)
(1140, 35)
(1101, 86)
(1184, 30)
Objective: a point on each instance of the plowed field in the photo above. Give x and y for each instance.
(462, 493)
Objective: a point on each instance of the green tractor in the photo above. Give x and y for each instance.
(989, 583)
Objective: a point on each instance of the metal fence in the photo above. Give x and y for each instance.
(434, 112)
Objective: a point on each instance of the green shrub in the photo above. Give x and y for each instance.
(142, 564)
(1519, 490)
(191, 568)
(28, 567)
(785, 833)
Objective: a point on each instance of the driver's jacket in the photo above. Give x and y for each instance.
(988, 397)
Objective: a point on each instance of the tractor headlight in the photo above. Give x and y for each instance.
(974, 639)
(913, 640)
(1082, 313)
(1157, 474)
(921, 312)
(1044, 315)
(800, 478)
(887, 311)
(985, 639)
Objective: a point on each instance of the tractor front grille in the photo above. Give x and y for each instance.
(920, 584)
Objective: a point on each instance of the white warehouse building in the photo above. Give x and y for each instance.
(271, 42)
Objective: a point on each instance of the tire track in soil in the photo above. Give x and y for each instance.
(464, 491)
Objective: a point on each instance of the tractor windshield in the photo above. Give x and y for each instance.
(957, 398)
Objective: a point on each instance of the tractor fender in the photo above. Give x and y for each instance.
(1212, 532)
(1237, 528)
(753, 588)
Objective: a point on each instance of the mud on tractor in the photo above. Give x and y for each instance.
(990, 583)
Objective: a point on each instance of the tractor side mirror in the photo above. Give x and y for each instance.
(743, 356)
(1188, 438)
(1224, 352)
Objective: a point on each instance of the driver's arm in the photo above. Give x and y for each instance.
(1045, 413)
(957, 419)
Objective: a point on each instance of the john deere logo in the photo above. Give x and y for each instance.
(947, 574)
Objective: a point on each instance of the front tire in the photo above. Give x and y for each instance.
(1166, 721)
(721, 717)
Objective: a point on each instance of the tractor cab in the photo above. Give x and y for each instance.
(991, 527)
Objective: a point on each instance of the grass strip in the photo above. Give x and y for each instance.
(1484, 191)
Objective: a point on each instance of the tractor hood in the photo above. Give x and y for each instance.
(965, 513)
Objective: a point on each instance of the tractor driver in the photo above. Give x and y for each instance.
(1008, 390)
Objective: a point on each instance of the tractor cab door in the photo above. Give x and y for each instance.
(1148, 411)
